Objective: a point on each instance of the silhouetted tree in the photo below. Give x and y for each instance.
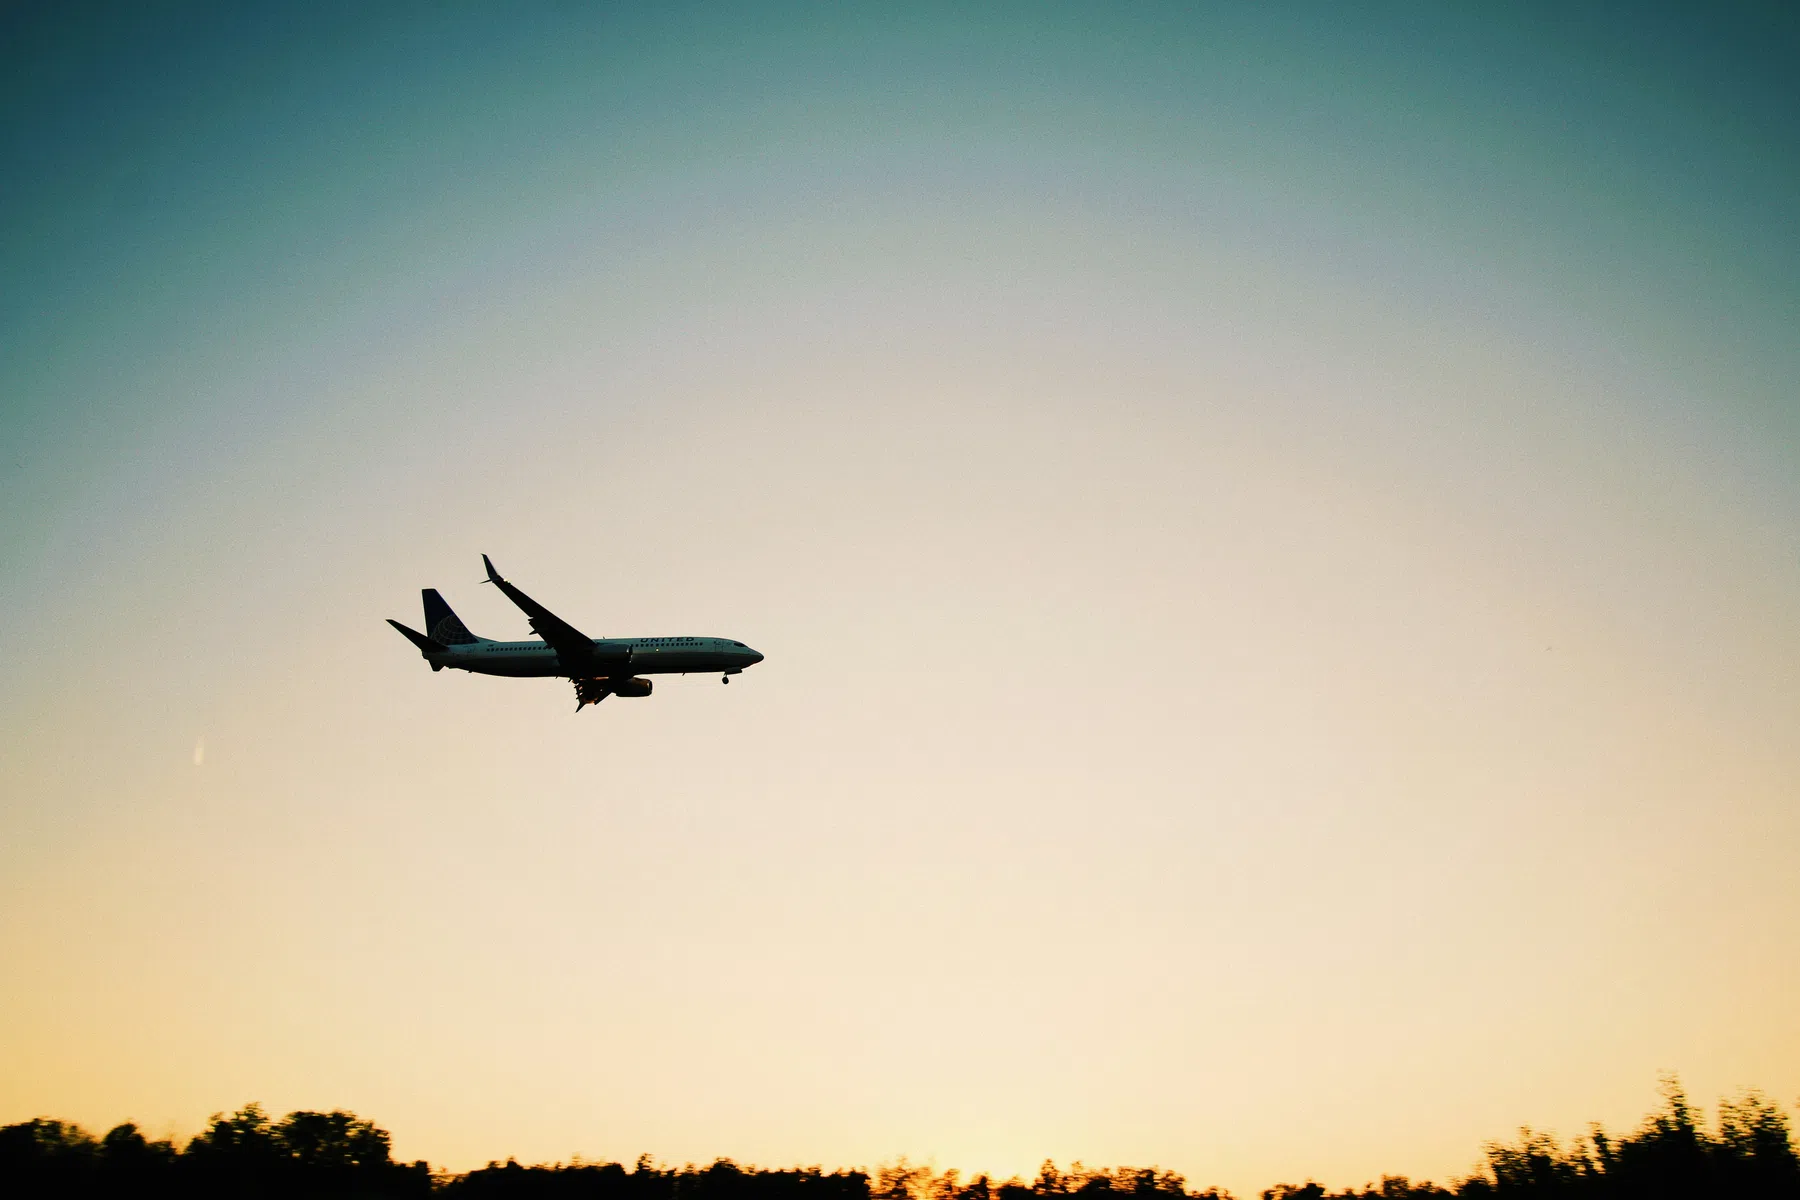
(1754, 1153)
(132, 1165)
(901, 1180)
(1669, 1156)
(978, 1188)
(1287, 1191)
(44, 1157)
(1536, 1167)
(304, 1154)
(235, 1153)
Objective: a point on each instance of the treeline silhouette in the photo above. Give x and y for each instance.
(1747, 1154)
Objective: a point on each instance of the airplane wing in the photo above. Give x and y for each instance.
(574, 648)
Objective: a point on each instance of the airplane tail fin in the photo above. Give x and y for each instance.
(446, 627)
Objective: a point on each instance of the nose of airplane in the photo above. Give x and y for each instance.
(755, 657)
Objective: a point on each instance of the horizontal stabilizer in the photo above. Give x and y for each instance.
(426, 646)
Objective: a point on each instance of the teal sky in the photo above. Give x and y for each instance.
(1276, 534)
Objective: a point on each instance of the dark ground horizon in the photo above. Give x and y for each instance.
(1747, 1152)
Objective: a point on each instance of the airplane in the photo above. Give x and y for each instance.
(599, 667)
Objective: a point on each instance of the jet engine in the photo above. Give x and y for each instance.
(593, 691)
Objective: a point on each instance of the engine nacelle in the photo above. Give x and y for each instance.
(631, 687)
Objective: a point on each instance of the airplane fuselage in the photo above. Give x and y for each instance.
(649, 656)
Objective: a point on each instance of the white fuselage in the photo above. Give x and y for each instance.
(649, 656)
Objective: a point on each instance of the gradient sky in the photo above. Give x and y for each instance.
(1275, 529)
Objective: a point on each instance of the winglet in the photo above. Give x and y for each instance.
(493, 575)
